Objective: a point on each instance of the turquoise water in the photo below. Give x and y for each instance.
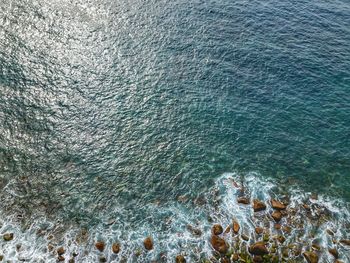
(109, 107)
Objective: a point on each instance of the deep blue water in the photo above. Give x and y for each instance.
(109, 106)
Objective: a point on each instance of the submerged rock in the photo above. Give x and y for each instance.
(258, 248)
(277, 205)
(217, 229)
(116, 248)
(258, 205)
(60, 251)
(310, 256)
(100, 245)
(8, 236)
(219, 244)
(180, 259)
(236, 227)
(243, 200)
(148, 243)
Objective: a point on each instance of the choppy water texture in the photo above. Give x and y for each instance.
(110, 107)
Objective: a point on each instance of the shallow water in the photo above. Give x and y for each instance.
(108, 108)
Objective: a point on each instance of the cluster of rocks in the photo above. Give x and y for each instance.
(235, 245)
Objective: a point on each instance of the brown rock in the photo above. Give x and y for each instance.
(8, 236)
(217, 229)
(259, 230)
(243, 200)
(276, 215)
(287, 229)
(116, 248)
(278, 226)
(72, 260)
(235, 257)
(61, 258)
(227, 230)
(148, 243)
(258, 248)
(100, 245)
(180, 259)
(345, 242)
(60, 251)
(235, 226)
(311, 257)
(258, 259)
(277, 205)
(244, 237)
(258, 205)
(219, 244)
(333, 252)
(330, 232)
(281, 239)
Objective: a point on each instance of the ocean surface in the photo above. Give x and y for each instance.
(121, 116)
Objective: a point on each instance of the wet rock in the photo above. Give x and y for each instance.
(278, 226)
(345, 242)
(61, 258)
(8, 236)
(243, 200)
(60, 251)
(194, 231)
(72, 260)
(180, 259)
(316, 247)
(287, 229)
(219, 244)
(116, 248)
(227, 230)
(259, 230)
(330, 232)
(277, 205)
(100, 245)
(334, 252)
(225, 260)
(281, 239)
(244, 237)
(148, 243)
(235, 226)
(258, 259)
(311, 257)
(217, 229)
(277, 216)
(102, 259)
(258, 205)
(258, 248)
(235, 257)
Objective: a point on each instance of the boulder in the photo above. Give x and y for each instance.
(258, 248)
(100, 245)
(180, 259)
(310, 256)
(243, 200)
(60, 258)
(235, 226)
(219, 244)
(148, 243)
(259, 230)
(277, 205)
(333, 252)
(116, 248)
(258, 205)
(276, 215)
(60, 251)
(217, 229)
(8, 236)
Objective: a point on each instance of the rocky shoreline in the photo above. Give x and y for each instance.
(281, 230)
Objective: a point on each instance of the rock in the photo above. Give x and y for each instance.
(259, 230)
(258, 205)
(345, 242)
(244, 237)
(235, 257)
(103, 259)
(72, 260)
(217, 229)
(311, 257)
(219, 244)
(60, 251)
(258, 249)
(100, 245)
(243, 200)
(277, 205)
(194, 231)
(334, 252)
(235, 226)
(281, 239)
(258, 259)
(116, 248)
(287, 229)
(330, 232)
(278, 226)
(61, 258)
(276, 215)
(148, 243)
(8, 236)
(180, 259)
(227, 230)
